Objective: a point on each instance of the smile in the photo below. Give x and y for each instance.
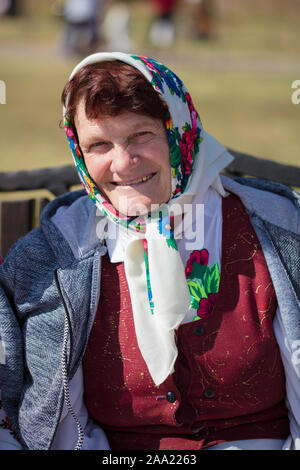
(138, 181)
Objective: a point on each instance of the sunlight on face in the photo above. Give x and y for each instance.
(128, 158)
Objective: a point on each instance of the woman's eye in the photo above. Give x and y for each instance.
(141, 137)
(98, 146)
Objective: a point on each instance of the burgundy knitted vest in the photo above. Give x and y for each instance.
(229, 381)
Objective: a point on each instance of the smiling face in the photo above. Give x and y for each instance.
(128, 158)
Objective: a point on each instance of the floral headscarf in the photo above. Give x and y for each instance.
(183, 130)
(160, 300)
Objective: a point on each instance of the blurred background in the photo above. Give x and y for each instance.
(238, 58)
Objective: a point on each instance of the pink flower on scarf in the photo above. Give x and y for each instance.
(150, 65)
(69, 132)
(187, 149)
(190, 102)
(193, 112)
(201, 257)
(78, 152)
(206, 305)
(109, 207)
(177, 190)
(188, 138)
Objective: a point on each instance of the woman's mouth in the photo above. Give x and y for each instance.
(144, 179)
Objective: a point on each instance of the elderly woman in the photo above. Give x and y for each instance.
(161, 309)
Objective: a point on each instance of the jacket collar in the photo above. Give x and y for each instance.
(72, 226)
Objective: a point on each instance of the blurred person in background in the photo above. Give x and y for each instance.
(131, 318)
(203, 18)
(81, 19)
(116, 26)
(162, 31)
(10, 7)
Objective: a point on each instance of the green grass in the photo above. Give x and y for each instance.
(30, 132)
(240, 82)
(250, 112)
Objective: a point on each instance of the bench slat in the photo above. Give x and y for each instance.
(244, 164)
(41, 203)
(16, 221)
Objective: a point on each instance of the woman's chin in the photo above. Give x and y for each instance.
(132, 208)
(135, 210)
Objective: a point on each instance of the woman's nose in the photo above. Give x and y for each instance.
(123, 158)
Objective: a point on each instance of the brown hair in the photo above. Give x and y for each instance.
(109, 88)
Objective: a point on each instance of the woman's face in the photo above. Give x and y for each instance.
(128, 158)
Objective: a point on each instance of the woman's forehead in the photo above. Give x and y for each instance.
(125, 121)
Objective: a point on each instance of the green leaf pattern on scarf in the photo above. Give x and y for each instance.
(203, 282)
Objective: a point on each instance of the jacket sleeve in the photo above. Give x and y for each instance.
(8, 438)
(11, 359)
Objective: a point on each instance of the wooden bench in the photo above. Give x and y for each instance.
(20, 216)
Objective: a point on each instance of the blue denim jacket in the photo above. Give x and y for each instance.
(50, 287)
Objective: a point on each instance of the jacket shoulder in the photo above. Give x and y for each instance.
(273, 188)
(42, 248)
(21, 252)
(271, 202)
